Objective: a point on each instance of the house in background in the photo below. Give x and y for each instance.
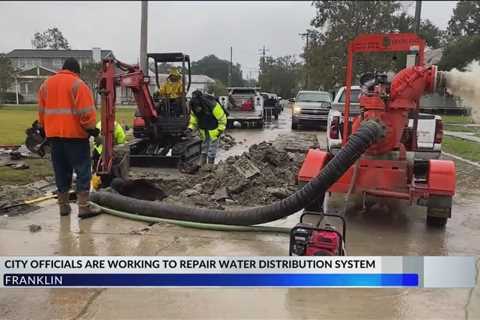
(36, 65)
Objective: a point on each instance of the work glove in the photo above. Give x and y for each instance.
(188, 132)
(36, 128)
(93, 132)
(98, 140)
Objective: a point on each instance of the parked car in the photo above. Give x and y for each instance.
(311, 108)
(429, 128)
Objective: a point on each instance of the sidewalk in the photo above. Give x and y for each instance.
(470, 136)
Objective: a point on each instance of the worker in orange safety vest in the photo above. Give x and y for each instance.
(67, 115)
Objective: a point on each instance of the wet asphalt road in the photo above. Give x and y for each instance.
(386, 229)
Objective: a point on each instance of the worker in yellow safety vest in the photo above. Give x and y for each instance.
(119, 137)
(208, 117)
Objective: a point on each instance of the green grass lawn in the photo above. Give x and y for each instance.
(14, 120)
(463, 148)
(39, 169)
(457, 119)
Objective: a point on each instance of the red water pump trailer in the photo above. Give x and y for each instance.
(385, 169)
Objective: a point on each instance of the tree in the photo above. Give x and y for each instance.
(460, 52)
(465, 20)
(250, 83)
(52, 38)
(217, 88)
(280, 75)
(7, 73)
(337, 23)
(218, 69)
(434, 37)
(162, 67)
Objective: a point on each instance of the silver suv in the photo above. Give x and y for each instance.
(311, 108)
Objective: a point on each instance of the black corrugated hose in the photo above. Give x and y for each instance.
(358, 143)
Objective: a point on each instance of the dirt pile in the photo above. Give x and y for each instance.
(260, 176)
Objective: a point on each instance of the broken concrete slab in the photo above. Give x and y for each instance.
(279, 193)
(220, 194)
(189, 193)
(239, 186)
(246, 168)
(197, 187)
(227, 142)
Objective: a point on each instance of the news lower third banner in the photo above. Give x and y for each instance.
(289, 272)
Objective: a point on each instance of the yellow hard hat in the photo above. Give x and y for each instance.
(175, 72)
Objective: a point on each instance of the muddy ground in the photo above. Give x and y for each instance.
(396, 230)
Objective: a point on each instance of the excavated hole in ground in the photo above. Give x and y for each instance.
(264, 174)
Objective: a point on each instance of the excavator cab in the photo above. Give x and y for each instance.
(173, 112)
(162, 141)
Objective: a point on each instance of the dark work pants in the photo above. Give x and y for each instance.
(69, 155)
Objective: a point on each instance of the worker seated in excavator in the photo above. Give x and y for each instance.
(171, 93)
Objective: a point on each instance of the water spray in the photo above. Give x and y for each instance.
(466, 85)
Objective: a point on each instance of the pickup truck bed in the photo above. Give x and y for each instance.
(429, 126)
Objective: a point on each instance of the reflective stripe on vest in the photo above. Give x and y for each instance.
(56, 111)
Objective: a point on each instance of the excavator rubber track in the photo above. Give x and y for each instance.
(144, 153)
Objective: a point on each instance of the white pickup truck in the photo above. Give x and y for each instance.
(245, 107)
(429, 128)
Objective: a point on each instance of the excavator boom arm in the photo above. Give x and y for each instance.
(133, 78)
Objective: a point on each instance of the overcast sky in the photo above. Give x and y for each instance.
(196, 28)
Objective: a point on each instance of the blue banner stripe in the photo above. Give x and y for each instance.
(207, 280)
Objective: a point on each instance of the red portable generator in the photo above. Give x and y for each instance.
(317, 240)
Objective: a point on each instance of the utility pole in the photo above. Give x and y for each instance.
(263, 52)
(230, 69)
(418, 14)
(144, 37)
(307, 73)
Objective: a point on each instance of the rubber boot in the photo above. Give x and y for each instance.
(85, 209)
(203, 159)
(64, 203)
(210, 164)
